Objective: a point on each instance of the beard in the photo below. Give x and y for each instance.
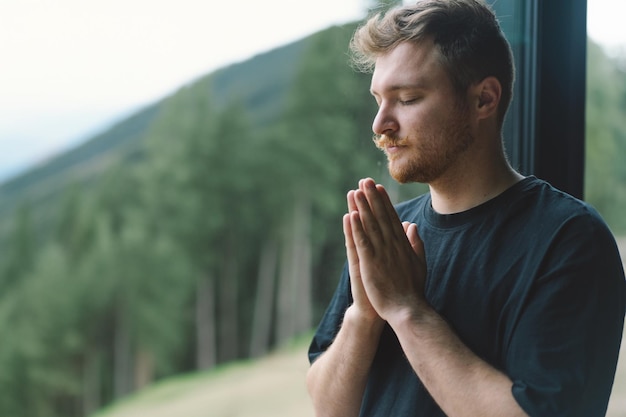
(425, 157)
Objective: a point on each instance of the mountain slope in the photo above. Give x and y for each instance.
(260, 84)
(269, 387)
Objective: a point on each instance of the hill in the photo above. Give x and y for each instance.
(269, 387)
(260, 83)
(160, 247)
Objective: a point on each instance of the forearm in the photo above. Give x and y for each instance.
(337, 379)
(458, 380)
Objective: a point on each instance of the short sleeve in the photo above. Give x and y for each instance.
(564, 348)
(333, 317)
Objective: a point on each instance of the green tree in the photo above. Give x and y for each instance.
(323, 148)
(382, 5)
(21, 250)
(142, 291)
(605, 173)
(45, 380)
(75, 224)
(198, 190)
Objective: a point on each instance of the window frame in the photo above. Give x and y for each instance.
(544, 132)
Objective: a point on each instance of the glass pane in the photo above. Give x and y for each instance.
(605, 170)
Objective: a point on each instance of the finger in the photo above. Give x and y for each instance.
(361, 181)
(352, 256)
(383, 209)
(354, 269)
(353, 259)
(367, 219)
(361, 240)
(377, 203)
(351, 202)
(414, 238)
(377, 192)
(390, 210)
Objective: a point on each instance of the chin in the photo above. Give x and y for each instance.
(402, 176)
(406, 175)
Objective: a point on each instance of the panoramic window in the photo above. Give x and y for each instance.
(566, 121)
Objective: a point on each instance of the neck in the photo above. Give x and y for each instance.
(472, 183)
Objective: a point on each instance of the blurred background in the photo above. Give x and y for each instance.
(172, 181)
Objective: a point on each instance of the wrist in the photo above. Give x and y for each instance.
(363, 321)
(413, 316)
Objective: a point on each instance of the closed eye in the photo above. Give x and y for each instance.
(408, 101)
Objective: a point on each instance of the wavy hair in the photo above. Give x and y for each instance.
(467, 34)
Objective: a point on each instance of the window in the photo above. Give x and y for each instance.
(544, 130)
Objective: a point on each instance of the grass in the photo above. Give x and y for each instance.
(270, 386)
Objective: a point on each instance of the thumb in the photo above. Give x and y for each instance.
(415, 240)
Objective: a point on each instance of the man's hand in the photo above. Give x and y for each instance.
(361, 303)
(386, 257)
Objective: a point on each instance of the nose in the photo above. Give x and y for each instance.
(384, 122)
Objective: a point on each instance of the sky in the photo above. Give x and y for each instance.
(69, 69)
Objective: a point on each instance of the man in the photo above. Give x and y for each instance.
(492, 295)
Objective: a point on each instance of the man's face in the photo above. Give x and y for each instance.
(421, 124)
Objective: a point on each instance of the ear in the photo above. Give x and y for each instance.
(486, 97)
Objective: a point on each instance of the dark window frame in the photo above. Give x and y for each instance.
(544, 132)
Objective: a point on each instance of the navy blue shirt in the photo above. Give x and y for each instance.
(531, 281)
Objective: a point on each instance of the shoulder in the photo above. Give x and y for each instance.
(554, 208)
(570, 232)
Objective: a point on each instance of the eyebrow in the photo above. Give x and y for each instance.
(412, 86)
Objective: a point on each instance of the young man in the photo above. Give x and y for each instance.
(494, 294)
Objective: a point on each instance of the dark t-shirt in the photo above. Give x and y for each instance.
(531, 281)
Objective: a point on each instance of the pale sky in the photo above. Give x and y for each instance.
(70, 68)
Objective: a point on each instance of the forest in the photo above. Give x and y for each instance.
(215, 234)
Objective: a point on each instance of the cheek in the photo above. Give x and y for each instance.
(422, 123)
(424, 116)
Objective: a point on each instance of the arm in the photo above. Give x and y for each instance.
(337, 379)
(393, 274)
(458, 380)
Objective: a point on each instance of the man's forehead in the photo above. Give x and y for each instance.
(409, 65)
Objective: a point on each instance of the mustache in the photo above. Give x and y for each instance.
(385, 141)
